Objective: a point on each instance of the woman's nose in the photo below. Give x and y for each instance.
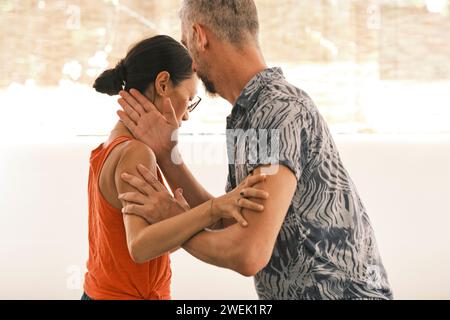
(186, 116)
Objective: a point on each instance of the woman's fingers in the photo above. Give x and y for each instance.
(134, 197)
(250, 205)
(254, 193)
(138, 183)
(255, 179)
(239, 218)
(150, 178)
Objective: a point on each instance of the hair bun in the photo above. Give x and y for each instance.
(111, 81)
(120, 71)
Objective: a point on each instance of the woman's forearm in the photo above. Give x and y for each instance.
(178, 175)
(159, 238)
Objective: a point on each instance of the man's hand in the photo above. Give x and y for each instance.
(153, 202)
(156, 129)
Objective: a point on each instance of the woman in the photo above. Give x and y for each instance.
(128, 257)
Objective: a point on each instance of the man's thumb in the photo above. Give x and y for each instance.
(179, 197)
(169, 112)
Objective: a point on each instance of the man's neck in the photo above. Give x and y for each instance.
(239, 67)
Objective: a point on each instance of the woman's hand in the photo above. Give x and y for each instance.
(158, 130)
(153, 202)
(231, 204)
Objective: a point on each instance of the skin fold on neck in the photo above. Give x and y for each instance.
(238, 67)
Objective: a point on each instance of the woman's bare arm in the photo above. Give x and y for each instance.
(146, 242)
(154, 127)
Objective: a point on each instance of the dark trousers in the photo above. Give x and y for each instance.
(85, 297)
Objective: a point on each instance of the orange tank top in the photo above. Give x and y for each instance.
(111, 273)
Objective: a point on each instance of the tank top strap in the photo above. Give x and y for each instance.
(107, 150)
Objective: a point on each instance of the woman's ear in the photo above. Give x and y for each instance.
(162, 84)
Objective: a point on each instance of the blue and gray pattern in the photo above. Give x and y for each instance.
(326, 248)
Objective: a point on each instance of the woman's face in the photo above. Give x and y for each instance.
(180, 95)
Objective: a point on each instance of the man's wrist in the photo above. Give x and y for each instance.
(170, 158)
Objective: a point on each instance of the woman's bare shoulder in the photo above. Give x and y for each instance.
(124, 158)
(135, 151)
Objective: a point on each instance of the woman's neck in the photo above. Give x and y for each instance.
(119, 130)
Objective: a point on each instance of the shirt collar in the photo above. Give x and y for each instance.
(251, 91)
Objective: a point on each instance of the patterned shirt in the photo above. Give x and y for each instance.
(326, 247)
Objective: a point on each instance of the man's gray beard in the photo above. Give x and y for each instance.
(210, 88)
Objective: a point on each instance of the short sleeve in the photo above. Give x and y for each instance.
(279, 145)
(228, 186)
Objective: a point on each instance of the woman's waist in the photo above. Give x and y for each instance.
(124, 279)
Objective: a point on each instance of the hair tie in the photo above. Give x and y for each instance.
(120, 72)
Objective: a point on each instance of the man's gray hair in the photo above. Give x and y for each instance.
(235, 21)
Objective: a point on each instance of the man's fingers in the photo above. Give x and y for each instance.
(254, 193)
(135, 197)
(255, 179)
(128, 100)
(138, 183)
(131, 112)
(150, 178)
(178, 194)
(132, 102)
(127, 121)
(134, 209)
(135, 104)
(143, 101)
(169, 113)
(250, 205)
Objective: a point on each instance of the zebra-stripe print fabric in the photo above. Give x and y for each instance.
(326, 247)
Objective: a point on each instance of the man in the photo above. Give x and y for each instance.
(314, 239)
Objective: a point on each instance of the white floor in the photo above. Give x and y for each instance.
(403, 180)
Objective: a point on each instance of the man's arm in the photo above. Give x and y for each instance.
(157, 130)
(179, 176)
(248, 250)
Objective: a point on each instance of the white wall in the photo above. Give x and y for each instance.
(404, 182)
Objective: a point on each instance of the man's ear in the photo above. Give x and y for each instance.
(200, 37)
(162, 84)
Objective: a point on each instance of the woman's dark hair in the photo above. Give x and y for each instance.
(143, 63)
